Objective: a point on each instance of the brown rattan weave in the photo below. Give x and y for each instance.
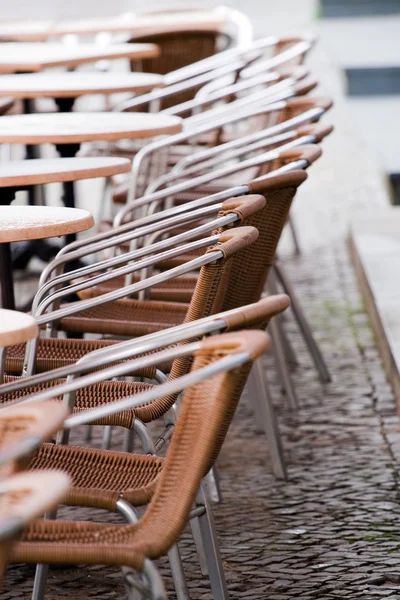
(135, 318)
(278, 192)
(179, 49)
(204, 418)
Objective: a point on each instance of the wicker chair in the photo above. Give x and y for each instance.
(24, 498)
(180, 49)
(67, 351)
(278, 192)
(204, 418)
(112, 318)
(97, 394)
(280, 117)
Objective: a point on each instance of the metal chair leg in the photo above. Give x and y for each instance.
(290, 355)
(268, 419)
(157, 590)
(89, 434)
(129, 440)
(178, 574)
(211, 481)
(253, 394)
(42, 570)
(134, 589)
(214, 562)
(147, 443)
(107, 433)
(198, 542)
(281, 365)
(297, 249)
(312, 345)
(286, 345)
(147, 584)
(39, 584)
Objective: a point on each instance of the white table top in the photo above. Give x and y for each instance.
(33, 57)
(73, 84)
(25, 31)
(21, 223)
(75, 128)
(143, 24)
(38, 171)
(16, 327)
(168, 20)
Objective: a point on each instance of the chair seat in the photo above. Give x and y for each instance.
(97, 395)
(52, 353)
(66, 542)
(130, 318)
(101, 477)
(57, 352)
(179, 289)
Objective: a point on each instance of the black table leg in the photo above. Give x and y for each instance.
(6, 279)
(35, 195)
(68, 151)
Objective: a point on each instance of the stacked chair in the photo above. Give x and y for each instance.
(176, 290)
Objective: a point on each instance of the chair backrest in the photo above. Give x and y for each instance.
(286, 42)
(240, 279)
(308, 153)
(204, 418)
(23, 498)
(298, 105)
(249, 269)
(179, 49)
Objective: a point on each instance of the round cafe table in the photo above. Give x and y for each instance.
(68, 130)
(21, 175)
(144, 24)
(21, 223)
(34, 57)
(25, 31)
(16, 328)
(70, 85)
(168, 20)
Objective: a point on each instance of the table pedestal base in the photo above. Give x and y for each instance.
(6, 279)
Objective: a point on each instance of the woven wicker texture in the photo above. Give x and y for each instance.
(254, 316)
(278, 192)
(58, 352)
(135, 318)
(204, 417)
(96, 395)
(180, 49)
(100, 477)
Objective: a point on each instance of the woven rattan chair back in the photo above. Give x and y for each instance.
(242, 279)
(204, 418)
(179, 49)
(285, 43)
(249, 269)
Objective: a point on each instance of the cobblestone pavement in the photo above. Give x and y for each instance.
(330, 531)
